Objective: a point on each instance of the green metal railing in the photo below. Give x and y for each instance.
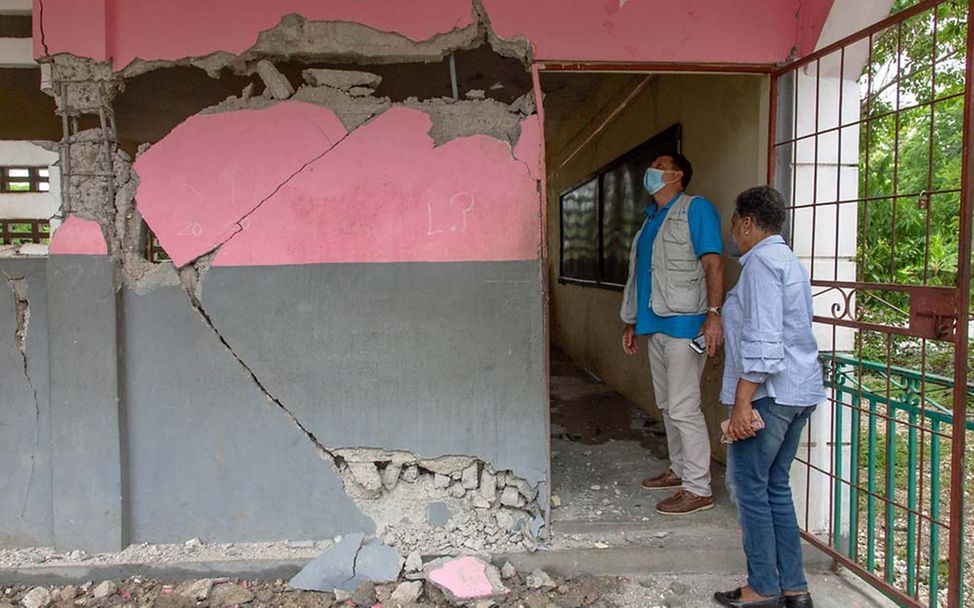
(890, 398)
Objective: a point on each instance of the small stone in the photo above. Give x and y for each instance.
(601, 545)
(457, 491)
(508, 571)
(193, 543)
(69, 592)
(366, 475)
(230, 594)
(408, 592)
(76, 556)
(539, 579)
(562, 589)
(414, 562)
(555, 501)
(527, 490)
(411, 474)
(679, 588)
(38, 597)
(469, 477)
(488, 485)
(264, 595)
(390, 475)
(441, 482)
(595, 487)
(475, 94)
(278, 85)
(104, 589)
(361, 91)
(342, 595)
(364, 594)
(195, 590)
(511, 497)
(479, 502)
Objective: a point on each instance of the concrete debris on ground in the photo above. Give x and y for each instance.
(348, 565)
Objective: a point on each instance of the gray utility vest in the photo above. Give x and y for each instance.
(678, 280)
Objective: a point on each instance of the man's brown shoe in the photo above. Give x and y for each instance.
(664, 481)
(684, 503)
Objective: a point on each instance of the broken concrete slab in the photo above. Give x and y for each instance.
(340, 79)
(377, 563)
(332, 569)
(278, 84)
(466, 578)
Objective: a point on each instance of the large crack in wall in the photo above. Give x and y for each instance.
(445, 504)
(18, 289)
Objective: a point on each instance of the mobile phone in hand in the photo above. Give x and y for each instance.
(699, 344)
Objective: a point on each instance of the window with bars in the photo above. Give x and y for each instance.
(22, 231)
(24, 179)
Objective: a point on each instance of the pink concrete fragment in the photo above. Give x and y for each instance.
(77, 236)
(465, 578)
(705, 31)
(387, 195)
(528, 148)
(199, 183)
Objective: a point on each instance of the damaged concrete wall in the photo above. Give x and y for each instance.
(727, 149)
(348, 338)
(25, 430)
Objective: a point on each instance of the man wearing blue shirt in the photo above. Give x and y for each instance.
(673, 294)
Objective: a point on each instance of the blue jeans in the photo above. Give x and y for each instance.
(758, 477)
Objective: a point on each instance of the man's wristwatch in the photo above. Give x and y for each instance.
(715, 310)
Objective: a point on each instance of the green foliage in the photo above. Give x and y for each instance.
(911, 150)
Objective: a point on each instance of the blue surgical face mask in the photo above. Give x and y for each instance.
(653, 181)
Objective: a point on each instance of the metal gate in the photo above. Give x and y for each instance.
(870, 142)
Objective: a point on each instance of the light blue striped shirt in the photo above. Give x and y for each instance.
(768, 337)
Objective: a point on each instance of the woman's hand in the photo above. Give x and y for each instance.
(740, 426)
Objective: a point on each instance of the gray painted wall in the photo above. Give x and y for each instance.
(436, 359)
(153, 432)
(209, 455)
(85, 434)
(25, 426)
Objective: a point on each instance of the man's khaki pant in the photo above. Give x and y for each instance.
(676, 381)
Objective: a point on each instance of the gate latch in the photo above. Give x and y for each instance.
(933, 313)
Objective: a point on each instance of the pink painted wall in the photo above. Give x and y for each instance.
(78, 236)
(384, 193)
(709, 31)
(212, 170)
(705, 31)
(79, 27)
